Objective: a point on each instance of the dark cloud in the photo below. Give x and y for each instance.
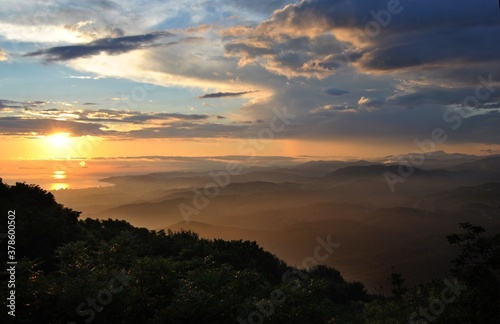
(264, 6)
(225, 94)
(22, 126)
(142, 117)
(105, 117)
(104, 4)
(80, 122)
(248, 49)
(335, 92)
(319, 16)
(437, 36)
(371, 102)
(401, 126)
(111, 46)
(10, 104)
(446, 46)
(445, 97)
(129, 116)
(329, 110)
(4, 103)
(190, 130)
(286, 55)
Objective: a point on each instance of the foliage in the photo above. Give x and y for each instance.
(471, 294)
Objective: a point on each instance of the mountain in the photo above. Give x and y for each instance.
(376, 170)
(430, 160)
(490, 164)
(381, 179)
(484, 196)
(285, 209)
(320, 168)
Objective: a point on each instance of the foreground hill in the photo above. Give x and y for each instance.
(111, 272)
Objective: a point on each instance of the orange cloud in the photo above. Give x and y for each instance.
(3, 55)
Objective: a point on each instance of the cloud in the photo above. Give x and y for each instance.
(23, 126)
(190, 130)
(371, 102)
(490, 152)
(402, 78)
(3, 55)
(114, 115)
(335, 92)
(425, 34)
(4, 103)
(187, 64)
(85, 77)
(111, 46)
(330, 111)
(106, 122)
(422, 95)
(195, 164)
(118, 124)
(264, 6)
(142, 117)
(10, 104)
(104, 4)
(225, 94)
(41, 33)
(64, 22)
(395, 126)
(302, 56)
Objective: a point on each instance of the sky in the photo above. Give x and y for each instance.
(103, 79)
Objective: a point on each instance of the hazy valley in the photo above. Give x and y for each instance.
(286, 209)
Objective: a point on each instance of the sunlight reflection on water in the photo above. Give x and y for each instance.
(59, 175)
(59, 186)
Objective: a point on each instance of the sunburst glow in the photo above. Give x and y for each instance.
(59, 139)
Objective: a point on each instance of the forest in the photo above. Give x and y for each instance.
(72, 270)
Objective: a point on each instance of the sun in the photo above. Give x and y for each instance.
(59, 139)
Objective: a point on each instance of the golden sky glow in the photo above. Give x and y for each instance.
(191, 82)
(63, 146)
(59, 140)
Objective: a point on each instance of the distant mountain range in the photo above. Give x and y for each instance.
(285, 209)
